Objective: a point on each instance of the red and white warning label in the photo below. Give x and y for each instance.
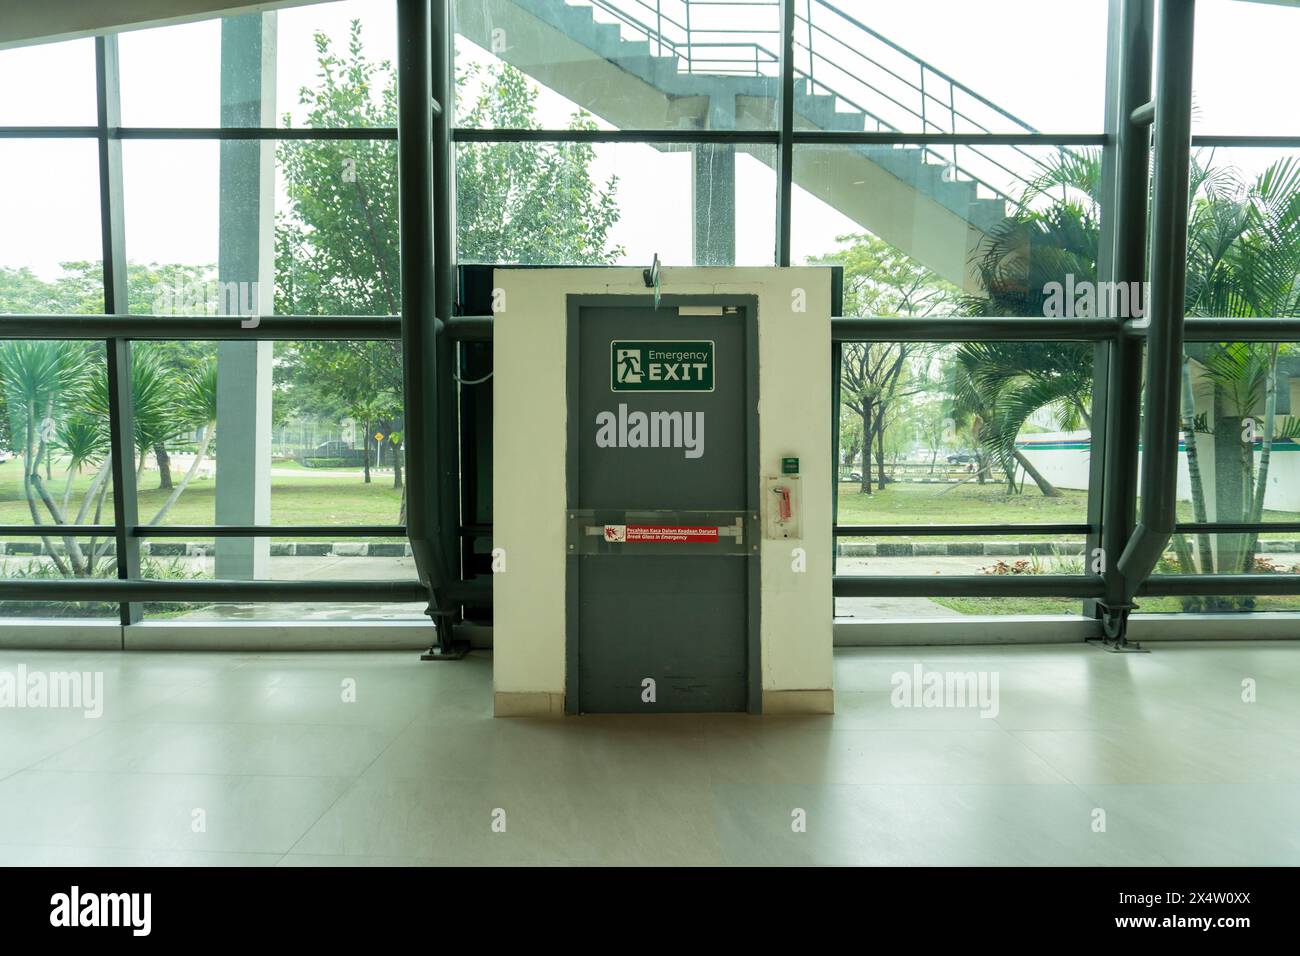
(631, 533)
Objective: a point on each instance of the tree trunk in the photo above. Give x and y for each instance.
(1204, 549)
(397, 466)
(365, 444)
(199, 455)
(164, 467)
(1265, 459)
(880, 450)
(1043, 484)
(1186, 565)
(865, 412)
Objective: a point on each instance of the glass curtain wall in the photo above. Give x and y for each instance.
(963, 174)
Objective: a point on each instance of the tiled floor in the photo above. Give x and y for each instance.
(233, 759)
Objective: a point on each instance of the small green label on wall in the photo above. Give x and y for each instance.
(789, 466)
(666, 365)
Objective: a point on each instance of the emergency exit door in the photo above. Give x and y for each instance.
(662, 570)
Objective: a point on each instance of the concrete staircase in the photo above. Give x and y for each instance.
(635, 75)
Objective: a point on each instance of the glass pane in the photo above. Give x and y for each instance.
(971, 433)
(619, 64)
(1003, 230)
(57, 81)
(993, 555)
(989, 67)
(171, 76)
(307, 433)
(615, 204)
(55, 465)
(333, 216)
(1218, 604)
(1243, 234)
(1239, 457)
(289, 559)
(341, 612)
(1244, 102)
(337, 64)
(333, 65)
(56, 557)
(50, 242)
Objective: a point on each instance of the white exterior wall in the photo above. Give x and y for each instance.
(1068, 468)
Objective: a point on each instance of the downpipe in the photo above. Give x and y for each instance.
(1166, 302)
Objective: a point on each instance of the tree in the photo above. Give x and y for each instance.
(1243, 261)
(337, 244)
(881, 280)
(1045, 239)
(56, 397)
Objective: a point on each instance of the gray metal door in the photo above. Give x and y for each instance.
(663, 558)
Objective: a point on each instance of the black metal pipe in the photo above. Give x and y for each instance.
(804, 137)
(982, 530)
(968, 585)
(200, 328)
(470, 328)
(785, 127)
(268, 531)
(254, 132)
(1242, 330)
(445, 387)
(419, 340)
(56, 530)
(671, 136)
(960, 329)
(1168, 262)
(1126, 263)
(1236, 527)
(837, 381)
(144, 590)
(1165, 585)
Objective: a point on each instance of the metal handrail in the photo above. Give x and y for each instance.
(705, 50)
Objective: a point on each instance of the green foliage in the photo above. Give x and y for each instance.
(529, 202)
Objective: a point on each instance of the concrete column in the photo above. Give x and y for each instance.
(713, 198)
(246, 258)
(713, 192)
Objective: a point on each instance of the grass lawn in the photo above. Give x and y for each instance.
(294, 500)
(980, 504)
(1033, 605)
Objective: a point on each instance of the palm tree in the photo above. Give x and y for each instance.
(1244, 244)
(56, 394)
(1006, 383)
(1053, 232)
(196, 402)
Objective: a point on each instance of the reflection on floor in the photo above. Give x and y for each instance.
(1085, 758)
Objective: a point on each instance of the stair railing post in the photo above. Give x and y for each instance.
(811, 87)
(924, 126)
(952, 118)
(690, 66)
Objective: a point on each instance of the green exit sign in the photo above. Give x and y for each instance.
(661, 365)
(789, 466)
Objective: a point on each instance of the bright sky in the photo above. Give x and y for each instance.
(1043, 60)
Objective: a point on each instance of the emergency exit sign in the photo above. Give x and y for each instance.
(665, 365)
